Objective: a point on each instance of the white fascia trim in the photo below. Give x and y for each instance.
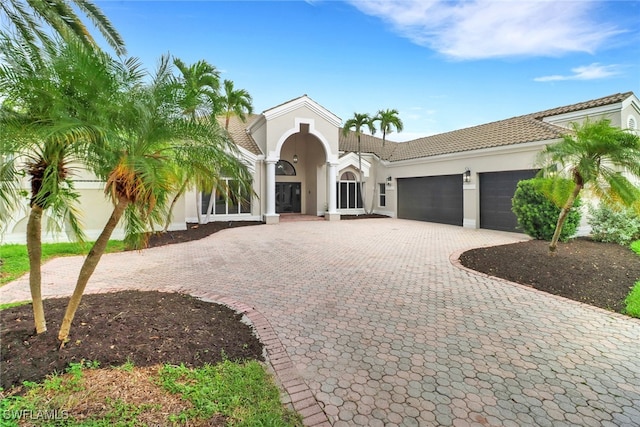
(482, 152)
(580, 114)
(632, 100)
(248, 157)
(256, 124)
(303, 101)
(351, 160)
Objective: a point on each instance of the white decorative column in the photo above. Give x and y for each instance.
(332, 214)
(270, 216)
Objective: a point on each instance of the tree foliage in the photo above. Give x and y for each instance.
(25, 19)
(537, 209)
(595, 155)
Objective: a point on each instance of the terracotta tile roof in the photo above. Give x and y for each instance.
(607, 100)
(516, 130)
(368, 143)
(237, 131)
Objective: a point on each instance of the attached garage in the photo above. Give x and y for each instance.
(496, 192)
(431, 198)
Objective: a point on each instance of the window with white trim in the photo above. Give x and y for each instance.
(221, 201)
(382, 202)
(349, 194)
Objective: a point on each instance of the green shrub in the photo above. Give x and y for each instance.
(614, 224)
(632, 301)
(635, 247)
(537, 214)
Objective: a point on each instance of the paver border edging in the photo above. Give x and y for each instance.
(454, 259)
(301, 397)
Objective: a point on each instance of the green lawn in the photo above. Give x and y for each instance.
(15, 261)
(633, 299)
(243, 393)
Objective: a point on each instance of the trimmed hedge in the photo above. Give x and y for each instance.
(537, 214)
(616, 224)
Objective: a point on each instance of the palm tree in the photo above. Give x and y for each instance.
(48, 119)
(197, 91)
(236, 102)
(25, 17)
(356, 123)
(198, 88)
(388, 120)
(138, 164)
(593, 155)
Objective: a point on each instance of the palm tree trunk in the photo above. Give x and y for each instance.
(198, 207)
(173, 203)
(563, 216)
(360, 190)
(89, 266)
(34, 248)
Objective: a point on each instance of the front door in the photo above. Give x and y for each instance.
(288, 197)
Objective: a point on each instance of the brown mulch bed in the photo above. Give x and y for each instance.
(599, 274)
(146, 328)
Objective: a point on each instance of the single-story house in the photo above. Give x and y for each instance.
(302, 164)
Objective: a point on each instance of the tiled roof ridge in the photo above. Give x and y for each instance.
(593, 103)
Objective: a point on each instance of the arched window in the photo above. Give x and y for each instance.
(349, 193)
(284, 168)
(348, 176)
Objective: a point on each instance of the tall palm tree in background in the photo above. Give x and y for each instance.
(198, 85)
(593, 156)
(150, 141)
(235, 102)
(197, 90)
(356, 124)
(52, 109)
(25, 19)
(388, 120)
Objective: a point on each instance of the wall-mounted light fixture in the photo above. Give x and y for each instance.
(295, 148)
(466, 176)
(389, 179)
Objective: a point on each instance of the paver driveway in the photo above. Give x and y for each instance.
(384, 330)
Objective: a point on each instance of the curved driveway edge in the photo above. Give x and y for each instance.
(385, 331)
(298, 393)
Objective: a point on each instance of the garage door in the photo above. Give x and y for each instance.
(431, 198)
(496, 192)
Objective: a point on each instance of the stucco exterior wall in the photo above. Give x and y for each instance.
(516, 157)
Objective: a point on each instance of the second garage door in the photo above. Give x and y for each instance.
(496, 192)
(431, 198)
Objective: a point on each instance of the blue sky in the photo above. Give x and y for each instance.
(444, 65)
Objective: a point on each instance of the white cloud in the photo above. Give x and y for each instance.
(478, 29)
(588, 72)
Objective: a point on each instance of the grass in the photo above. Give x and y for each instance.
(632, 301)
(15, 260)
(239, 394)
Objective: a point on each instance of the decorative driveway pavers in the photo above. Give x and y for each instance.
(385, 331)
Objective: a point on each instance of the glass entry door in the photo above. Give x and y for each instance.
(288, 197)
